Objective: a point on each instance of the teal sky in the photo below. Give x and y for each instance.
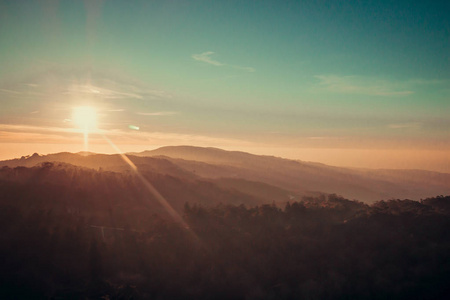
(328, 81)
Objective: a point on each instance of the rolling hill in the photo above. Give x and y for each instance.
(265, 178)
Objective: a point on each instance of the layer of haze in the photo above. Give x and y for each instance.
(350, 84)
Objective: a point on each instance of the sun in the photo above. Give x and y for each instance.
(85, 117)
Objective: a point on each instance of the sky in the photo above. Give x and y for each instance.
(346, 83)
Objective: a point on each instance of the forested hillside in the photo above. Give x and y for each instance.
(74, 233)
(258, 175)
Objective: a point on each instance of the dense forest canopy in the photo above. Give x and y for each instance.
(75, 233)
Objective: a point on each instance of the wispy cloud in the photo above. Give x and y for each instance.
(66, 83)
(171, 138)
(18, 133)
(21, 93)
(206, 58)
(44, 129)
(405, 125)
(324, 138)
(361, 85)
(10, 91)
(101, 92)
(158, 113)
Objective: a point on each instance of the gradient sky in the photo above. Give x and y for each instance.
(354, 83)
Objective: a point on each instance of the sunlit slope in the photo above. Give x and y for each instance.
(265, 177)
(108, 195)
(102, 162)
(363, 184)
(257, 192)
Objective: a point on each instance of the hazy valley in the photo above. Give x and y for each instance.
(265, 178)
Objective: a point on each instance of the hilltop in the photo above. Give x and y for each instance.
(266, 177)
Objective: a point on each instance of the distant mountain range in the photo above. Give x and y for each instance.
(211, 175)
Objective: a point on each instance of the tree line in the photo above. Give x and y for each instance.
(325, 247)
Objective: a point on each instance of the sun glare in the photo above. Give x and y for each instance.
(85, 117)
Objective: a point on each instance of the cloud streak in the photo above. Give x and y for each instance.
(101, 92)
(18, 133)
(158, 113)
(405, 125)
(361, 86)
(65, 84)
(206, 58)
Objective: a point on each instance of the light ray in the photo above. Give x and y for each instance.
(170, 210)
(86, 143)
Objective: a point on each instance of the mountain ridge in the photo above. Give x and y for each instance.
(296, 177)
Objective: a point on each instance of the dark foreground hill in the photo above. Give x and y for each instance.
(96, 230)
(74, 233)
(110, 195)
(264, 177)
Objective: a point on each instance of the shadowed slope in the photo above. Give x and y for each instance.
(295, 177)
(301, 177)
